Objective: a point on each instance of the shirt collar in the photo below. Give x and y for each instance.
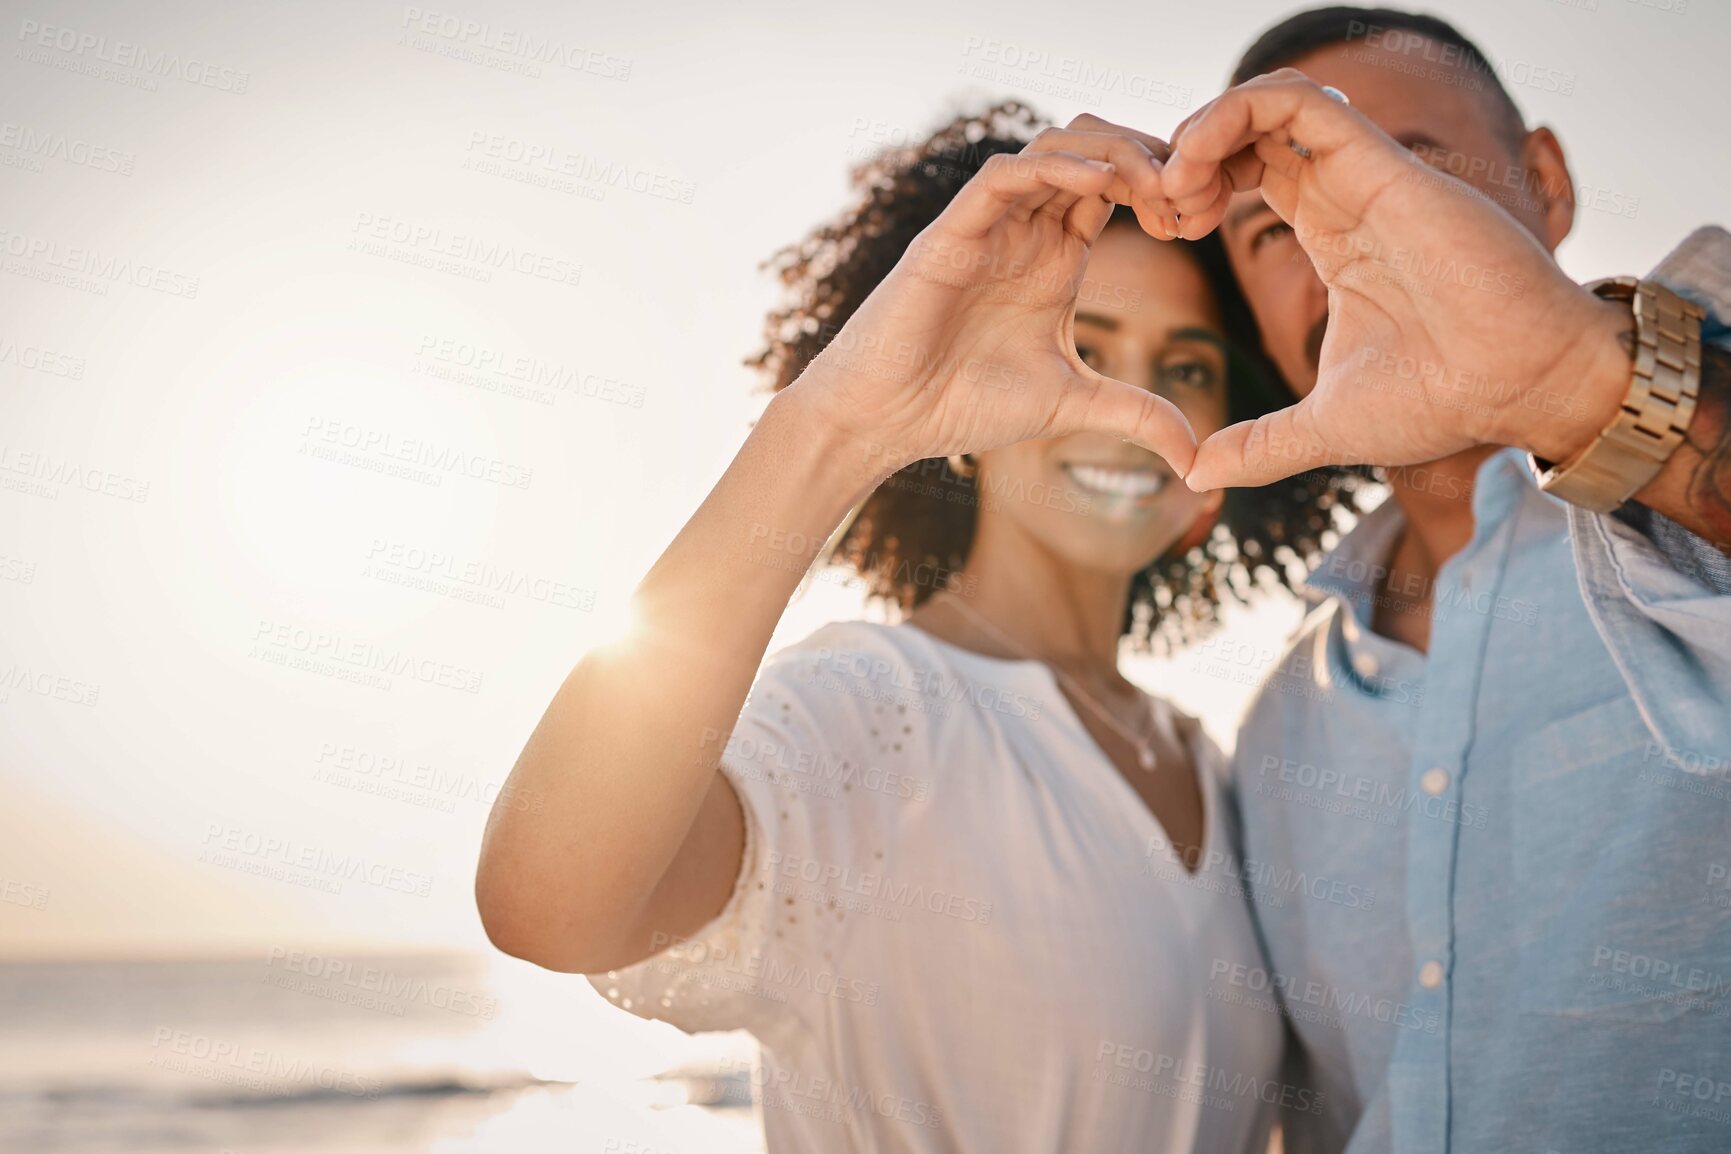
(1351, 571)
(1354, 568)
(1700, 269)
(1504, 480)
(1352, 574)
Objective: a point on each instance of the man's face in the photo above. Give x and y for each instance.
(1440, 112)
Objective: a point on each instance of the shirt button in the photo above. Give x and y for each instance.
(1434, 781)
(1430, 975)
(1365, 664)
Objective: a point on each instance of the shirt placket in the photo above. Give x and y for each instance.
(1442, 736)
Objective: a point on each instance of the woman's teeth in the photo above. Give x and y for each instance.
(1130, 483)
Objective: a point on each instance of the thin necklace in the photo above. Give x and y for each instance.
(1143, 746)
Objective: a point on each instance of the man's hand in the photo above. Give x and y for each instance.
(1449, 325)
(969, 343)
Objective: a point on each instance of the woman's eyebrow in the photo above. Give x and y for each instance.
(1105, 322)
(1197, 333)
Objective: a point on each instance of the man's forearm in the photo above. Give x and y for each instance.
(1694, 487)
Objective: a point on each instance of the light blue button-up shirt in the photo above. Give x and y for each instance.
(1542, 805)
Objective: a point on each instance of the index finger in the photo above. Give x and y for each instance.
(1136, 156)
(1009, 177)
(1281, 106)
(1154, 211)
(1088, 122)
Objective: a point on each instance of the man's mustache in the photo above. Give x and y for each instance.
(1313, 342)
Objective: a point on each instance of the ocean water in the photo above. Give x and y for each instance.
(293, 1051)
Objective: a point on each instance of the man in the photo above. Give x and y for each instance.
(1522, 741)
(1508, 715)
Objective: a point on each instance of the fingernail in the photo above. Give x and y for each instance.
(1103, 166)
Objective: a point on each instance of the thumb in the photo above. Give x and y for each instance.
(1132, 414)
(1250, 453)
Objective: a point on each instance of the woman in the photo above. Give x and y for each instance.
(969, 887)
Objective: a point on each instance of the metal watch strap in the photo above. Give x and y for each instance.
(1654, 416)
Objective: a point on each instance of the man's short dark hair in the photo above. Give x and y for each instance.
(1302, 33)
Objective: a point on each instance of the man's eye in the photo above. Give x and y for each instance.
(1090, 356)
(1273, 232)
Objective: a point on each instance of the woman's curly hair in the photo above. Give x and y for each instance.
(915, 530)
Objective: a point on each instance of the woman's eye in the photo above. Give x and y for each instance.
(1273, 232)
(1189, 374)
(1090, 356)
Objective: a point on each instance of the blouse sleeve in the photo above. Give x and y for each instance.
(820, 759)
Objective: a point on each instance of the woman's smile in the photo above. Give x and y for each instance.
(1139, 484)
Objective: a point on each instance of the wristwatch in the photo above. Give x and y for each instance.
(1655, 415)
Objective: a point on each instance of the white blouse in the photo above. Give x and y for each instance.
(958, 928)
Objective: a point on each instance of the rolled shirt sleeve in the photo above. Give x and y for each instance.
(1660, 595)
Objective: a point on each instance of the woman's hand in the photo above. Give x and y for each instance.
(966, 346)
(969, 343)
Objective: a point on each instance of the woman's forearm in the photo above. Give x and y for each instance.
(637, 833)
(623, 761)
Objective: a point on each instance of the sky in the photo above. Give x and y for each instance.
(275, 415)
